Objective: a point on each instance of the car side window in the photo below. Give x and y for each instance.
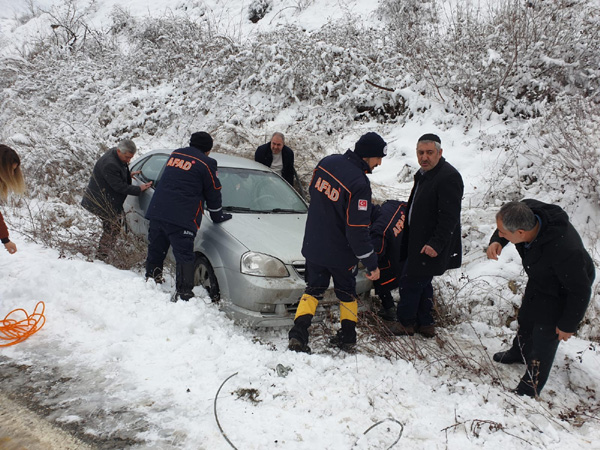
(152, 168)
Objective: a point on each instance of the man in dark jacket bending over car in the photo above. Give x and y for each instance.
(337, 237)
(561, 273)
(175, 212)
(109, 186)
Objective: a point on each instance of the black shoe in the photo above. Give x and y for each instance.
(185, 296)
(523, 392)
(343, 343)
(155, 273)
(509, 357)
(158, 279)
(524, 389)
(297, 346)
(397, 329)
(427, 331)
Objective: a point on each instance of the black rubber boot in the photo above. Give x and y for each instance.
(345, 339)
(388, 314)
(387, 301)
(298, 335)
(184, 281)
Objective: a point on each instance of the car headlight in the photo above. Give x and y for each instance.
(261, 265)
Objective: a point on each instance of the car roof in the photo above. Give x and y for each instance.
(223, 160)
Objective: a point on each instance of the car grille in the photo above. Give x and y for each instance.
(300, 268)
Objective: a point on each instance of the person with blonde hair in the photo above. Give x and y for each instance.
(11, 180)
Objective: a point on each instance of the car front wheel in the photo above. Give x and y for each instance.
(204, 276)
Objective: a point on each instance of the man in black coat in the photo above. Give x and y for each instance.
(432, 241)
(561, 273)
(337, 237)
(278, 156)
(175, 211)
(109, 186)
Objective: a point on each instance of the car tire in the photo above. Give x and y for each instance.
(204, 276)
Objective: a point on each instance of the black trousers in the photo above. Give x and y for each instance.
(344, 281)
(162, 235)
(538, 344)
(385, 295)
(416, 301)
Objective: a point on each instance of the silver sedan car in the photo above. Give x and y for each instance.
(252, 263)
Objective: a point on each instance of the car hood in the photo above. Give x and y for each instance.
(278, 235)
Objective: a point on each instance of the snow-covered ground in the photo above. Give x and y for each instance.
(116, 360)
(134, 365)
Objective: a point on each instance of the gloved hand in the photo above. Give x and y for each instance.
(220, 217)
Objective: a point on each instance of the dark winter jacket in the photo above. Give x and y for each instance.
(264, 155)
(560, 270)
(109, 186)
(339, 214)
(386, 237)
(434, 220)
(189, 179)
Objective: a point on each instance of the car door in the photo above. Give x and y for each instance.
(151, 169)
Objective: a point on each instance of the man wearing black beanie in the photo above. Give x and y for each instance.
(175, 211)
(432, 242)
(337, 237)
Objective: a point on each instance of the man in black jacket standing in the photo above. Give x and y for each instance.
(278, 156)
(107, 190)
(175, 211)
(337, 237)
(561, 273)
(432, 242)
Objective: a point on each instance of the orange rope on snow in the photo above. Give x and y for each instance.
(14, 329)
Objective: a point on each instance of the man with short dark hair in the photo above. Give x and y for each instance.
(561, 273)
(107, 190)
(278, 156)
(337, 238)
(175, 211)
(432, 242)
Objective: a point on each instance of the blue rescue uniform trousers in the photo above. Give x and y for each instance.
(161, 235)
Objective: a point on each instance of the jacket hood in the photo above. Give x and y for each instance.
(554, 219)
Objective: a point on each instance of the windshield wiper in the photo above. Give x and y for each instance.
(284, 210)
(239, 209)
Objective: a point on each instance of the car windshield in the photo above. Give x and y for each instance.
(246, 190)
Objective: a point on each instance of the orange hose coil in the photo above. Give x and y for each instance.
(14, 328)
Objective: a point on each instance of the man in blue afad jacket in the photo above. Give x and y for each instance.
(175, 212)
(337, 237)
(386, 236)
(561, 273)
